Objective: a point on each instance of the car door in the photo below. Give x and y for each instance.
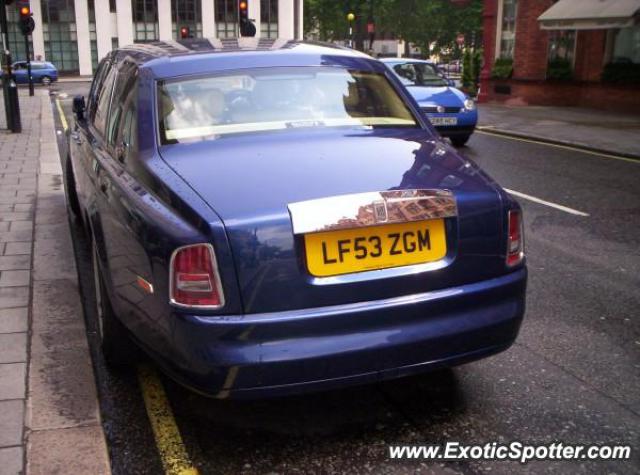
(20, 72)
(87, 133)
(122, 206)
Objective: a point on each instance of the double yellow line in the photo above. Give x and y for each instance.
(171, 448)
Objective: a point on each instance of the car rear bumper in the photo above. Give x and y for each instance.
(262, 355)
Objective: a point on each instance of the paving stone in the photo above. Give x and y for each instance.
(22, 208)
(22, 235)
(14, 278)
(18, 262)
(13, 320)
(64, 451)
(13, 380)
(13, 348)
(14, 297)
(11, 422)
(11, 460)
(21, 225)
(16, 215)
(17, 248)
(53, 258)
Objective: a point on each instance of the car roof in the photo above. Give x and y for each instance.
(166, 59)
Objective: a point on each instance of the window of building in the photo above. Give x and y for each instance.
(115, 44)
(145, 20)
(508, 28)
(186, 13)
(112, 6)
(626, 48)
(16, 38)
(562, 45)
(226, 18)
(93, 38)
(268, 18)
(60, 36)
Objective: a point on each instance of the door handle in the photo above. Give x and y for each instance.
(103, 184)
(76, 137)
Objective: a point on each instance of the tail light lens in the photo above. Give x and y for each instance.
(515, 239)
(195, 281)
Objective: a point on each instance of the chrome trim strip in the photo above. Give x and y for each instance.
(218, 283)
(370, 209)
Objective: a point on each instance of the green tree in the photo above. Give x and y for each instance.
(432, 25)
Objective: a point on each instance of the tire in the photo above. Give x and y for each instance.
(72, 195)
(460, 141)
(117, 348)
(45, 80)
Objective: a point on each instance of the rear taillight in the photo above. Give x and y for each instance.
(195, 281)
(515, 239)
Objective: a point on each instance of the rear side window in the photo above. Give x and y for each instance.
(103, 99)
(96, 87)
(124, 86)
(264, 99)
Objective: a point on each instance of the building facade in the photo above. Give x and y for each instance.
(562, 52)
(75, 34)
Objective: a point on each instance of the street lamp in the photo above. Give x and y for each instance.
(350, 17)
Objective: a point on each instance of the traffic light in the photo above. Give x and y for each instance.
(184, 32)
(247, 28)
(26, 20)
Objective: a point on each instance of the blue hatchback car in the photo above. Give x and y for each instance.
(450, 110)
(270, 217)
(42, 72)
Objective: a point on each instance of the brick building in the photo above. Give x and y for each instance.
(562, 52)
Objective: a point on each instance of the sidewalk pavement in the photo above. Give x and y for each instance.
(590, 129)
(49, 414)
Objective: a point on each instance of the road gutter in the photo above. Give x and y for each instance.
(63, 427)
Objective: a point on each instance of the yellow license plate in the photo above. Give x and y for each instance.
(376, 247)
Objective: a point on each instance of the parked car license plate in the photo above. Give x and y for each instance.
(375, 247)
(444, 120)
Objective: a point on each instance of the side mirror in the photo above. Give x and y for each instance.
(79, 107)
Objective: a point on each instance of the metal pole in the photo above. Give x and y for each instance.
(9, 87)
(28, 50)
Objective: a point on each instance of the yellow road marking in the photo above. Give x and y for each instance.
(566, 147)
(63, 119)
(173, 453)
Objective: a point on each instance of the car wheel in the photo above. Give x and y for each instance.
(46, 80)
(72, 195)
(460, 141)
(117, 348)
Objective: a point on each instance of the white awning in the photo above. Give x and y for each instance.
(590, 14)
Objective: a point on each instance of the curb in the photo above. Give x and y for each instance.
(563, 143)
(64, 431)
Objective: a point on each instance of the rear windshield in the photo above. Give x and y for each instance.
(254, 100)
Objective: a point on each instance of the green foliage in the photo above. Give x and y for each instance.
(559, 69)
(432, 25)
(621, 73)
(467, 71)
(502, 68)
(477, 65)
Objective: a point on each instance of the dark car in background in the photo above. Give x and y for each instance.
(274, 217)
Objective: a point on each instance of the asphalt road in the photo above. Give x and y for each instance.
(572, 376)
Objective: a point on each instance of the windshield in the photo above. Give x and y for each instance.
(418, 74)
(264, 99)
